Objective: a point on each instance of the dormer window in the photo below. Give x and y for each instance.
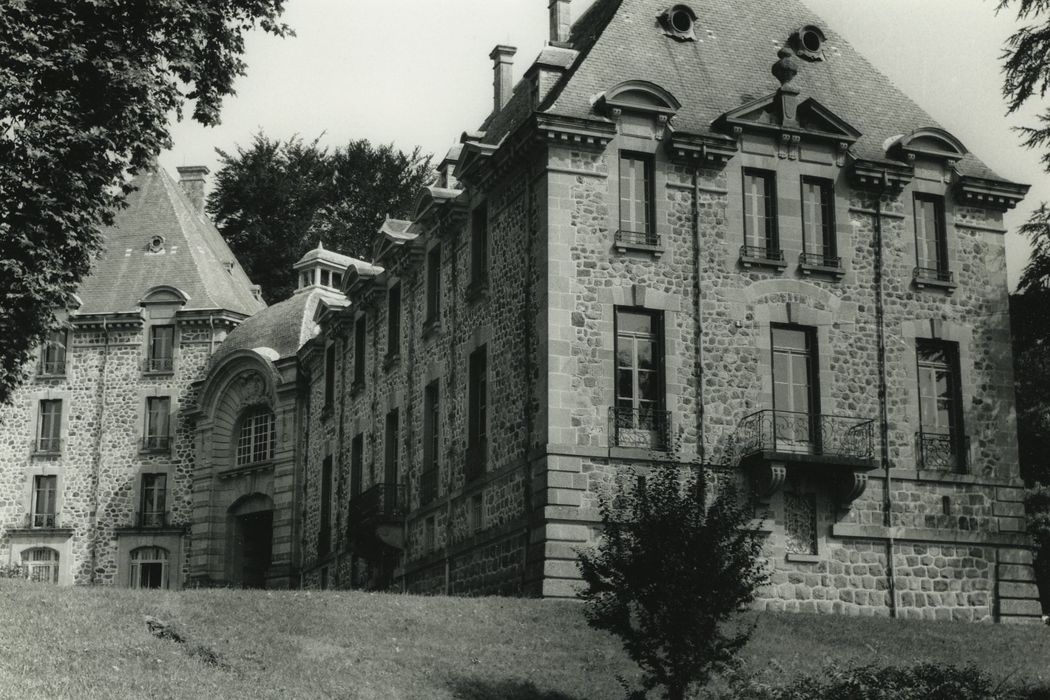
(809, 42)
(679, 23)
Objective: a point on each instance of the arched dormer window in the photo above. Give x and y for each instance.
(929, 142)
(256, 437)
(149, 567)
(639, 96)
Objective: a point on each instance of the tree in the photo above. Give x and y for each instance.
(86, 91)
(677, 560)
(275, 200)
(1030, 330)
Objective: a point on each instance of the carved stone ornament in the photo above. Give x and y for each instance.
(252, 389)
(768, 478)
(786, 68)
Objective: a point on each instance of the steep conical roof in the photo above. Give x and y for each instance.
(159, 239)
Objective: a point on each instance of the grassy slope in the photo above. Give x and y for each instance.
(92, 643)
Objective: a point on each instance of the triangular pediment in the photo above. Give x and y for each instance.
(813, 119)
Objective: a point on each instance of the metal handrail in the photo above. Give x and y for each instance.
(806, 433)
(761, 252)
(943, 451)
(934, 273)
(646, 428)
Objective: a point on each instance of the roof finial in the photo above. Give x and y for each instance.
(786, 68)
(320, 245)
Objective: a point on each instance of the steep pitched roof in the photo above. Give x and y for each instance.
(191, 255)
(620, 40)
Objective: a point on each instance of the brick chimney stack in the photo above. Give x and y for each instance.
(561, 22)
(503, 82)
(191, 179)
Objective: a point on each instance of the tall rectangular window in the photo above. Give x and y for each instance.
(161, 349)
(53, 354)
(158, 423)
(45, 494)
(49, 430)
(357, 462)
(329, 375)
(153, 507)
(761, 237)
(941, 441)
(636, 198)
(431, 443)
(796, 395)
(434, 285)
(818, 222)
(391, 473)
(393, 321)
(931, 239)
(359, 351)
(479, 247)
(324, 533)
(639, 378)
(477, 413)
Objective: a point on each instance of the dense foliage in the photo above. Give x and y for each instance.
(873, 682)
(86, 92)
(1030, 328)
(677, 560)
(275, 200)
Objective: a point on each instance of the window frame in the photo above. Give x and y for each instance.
(357, 464)
(647, 236)
(939, 269)
(249, 418)
(153, 499)
(156, 364)
(955, 431)
(136, 562)
(433, 311)
(156, 435)
(478, 410)
(770, 248)
(49, 441)
(329, 377)
(51, 564)
(811, 354)
(46, 485)
(324, 531)
(827, 255)
(58, 343)
(479, 250)
(360, 351)
(393, 322)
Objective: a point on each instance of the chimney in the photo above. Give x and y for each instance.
(503, 83)
(561, 22)
(191, 179)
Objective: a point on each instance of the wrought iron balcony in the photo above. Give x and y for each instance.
(476, 460)
(762, 255)
(428, 486)
(937, 276)
(151, 519)
(629, 239)
(943, 451)
(159, 365)
(156, 443)
(770, 441)
(55, 368)
(47, 446)
(642, 427)
(802, 436)
(42, 521)
(823, 263)
(381, 503)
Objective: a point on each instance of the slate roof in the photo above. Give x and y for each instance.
(195, 259)
(620, 40)
(322, 254)
(283, 327)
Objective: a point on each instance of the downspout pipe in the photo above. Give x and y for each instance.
(95, 477)
(884, 426)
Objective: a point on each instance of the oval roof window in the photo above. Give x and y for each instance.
(809, 42)
(679, 22)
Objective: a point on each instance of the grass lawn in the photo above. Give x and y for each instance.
(93, 643)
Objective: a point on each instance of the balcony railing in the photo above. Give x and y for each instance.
(159, 365)
(476, 458)
(935, 274)
(156, 443)
(637, 238)
(645, 428)
(943, 451)
(151, 519)
(42, 521)
(55, 368)
(761, 252)
(379, 503)
(791, 432)
(47, 446)
(428, 486)
(820, 260)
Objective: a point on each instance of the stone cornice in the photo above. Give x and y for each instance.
(880, 175)
(709, 150)
(999, 195)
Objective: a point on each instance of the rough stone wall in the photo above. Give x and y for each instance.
(104, 392)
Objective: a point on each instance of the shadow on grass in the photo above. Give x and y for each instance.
(467, 688)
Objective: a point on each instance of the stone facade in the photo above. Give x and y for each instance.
(861, 520)
(95, 530)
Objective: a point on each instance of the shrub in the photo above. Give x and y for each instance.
(12, 571)
(676, 562)
(1037, 504)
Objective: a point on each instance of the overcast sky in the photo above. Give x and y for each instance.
(416, 72)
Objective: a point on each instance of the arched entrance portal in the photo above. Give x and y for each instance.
(250, 541)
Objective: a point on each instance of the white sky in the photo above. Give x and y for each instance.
(416, 72)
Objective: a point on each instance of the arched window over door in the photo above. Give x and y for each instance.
(256, 437)
(149, 567)
(41, 564)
